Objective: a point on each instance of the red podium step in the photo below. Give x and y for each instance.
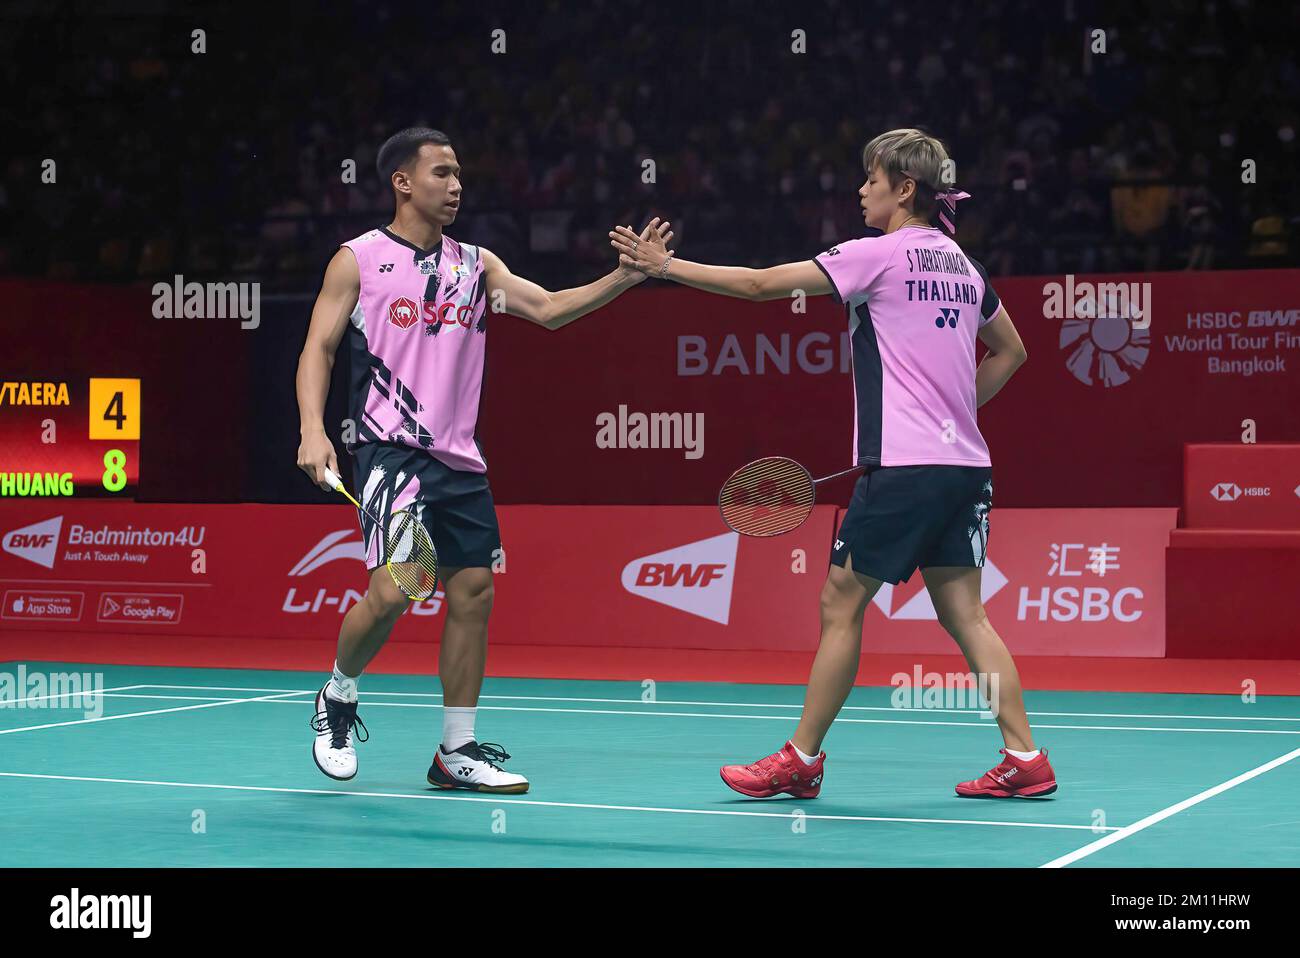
(1231, 574)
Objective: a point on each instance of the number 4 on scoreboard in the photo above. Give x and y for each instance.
(115, 409)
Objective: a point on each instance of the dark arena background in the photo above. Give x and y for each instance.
(175, 180)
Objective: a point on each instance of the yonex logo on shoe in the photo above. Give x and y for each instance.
(1006, 775)
(817, 780)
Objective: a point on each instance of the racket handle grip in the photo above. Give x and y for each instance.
(333, 480)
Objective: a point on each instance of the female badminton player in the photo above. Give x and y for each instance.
(916, 304)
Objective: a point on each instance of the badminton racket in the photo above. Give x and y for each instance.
(770, 496)
(409, 554)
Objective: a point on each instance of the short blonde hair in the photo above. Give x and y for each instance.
(913, 154)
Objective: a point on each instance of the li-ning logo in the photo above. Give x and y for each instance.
(1106, 332)
(329, 549)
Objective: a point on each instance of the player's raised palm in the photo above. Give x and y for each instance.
(645, 253)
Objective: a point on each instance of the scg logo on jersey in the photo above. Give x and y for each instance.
(403, 313)
(695, 578)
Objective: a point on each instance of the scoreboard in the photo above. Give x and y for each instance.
(69, 437)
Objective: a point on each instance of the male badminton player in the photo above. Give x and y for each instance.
(413, 304)
(916, 304)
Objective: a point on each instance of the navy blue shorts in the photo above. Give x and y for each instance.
(902, 518)
(455, 507)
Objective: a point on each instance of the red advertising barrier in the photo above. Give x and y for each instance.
(1242, 486)
(1057, 582)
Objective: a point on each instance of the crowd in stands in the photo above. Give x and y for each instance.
(1173, 147)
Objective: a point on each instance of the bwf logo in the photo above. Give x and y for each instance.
(37, 543)
(694, 578)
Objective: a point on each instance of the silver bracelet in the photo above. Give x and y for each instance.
(663, 270)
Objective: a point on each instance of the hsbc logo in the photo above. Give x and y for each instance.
(37, 543)
(1226, 491)
(1231, 492)
(695, 578)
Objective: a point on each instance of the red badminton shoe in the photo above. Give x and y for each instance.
(1013, 778)
(783, 771)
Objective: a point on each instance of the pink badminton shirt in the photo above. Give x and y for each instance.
(915, 303)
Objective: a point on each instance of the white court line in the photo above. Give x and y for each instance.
(755, 705)
(786, 718)
(126, 715)
(506, 799)
(1127, 830)
(18, 703)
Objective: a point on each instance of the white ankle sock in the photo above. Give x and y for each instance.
(342, 688)
(457, 727)
(807, 759)
(1023, 756)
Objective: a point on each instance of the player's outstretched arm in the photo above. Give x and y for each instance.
(527, 300)
(775, 282)
(329, 318)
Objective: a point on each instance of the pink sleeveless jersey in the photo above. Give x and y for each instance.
(416, 346)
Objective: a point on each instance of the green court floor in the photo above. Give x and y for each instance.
(206, 767)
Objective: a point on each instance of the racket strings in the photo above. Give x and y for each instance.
(412, 560)
(767, 497)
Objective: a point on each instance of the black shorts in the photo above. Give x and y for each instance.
(902, 518)
(454, 506)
